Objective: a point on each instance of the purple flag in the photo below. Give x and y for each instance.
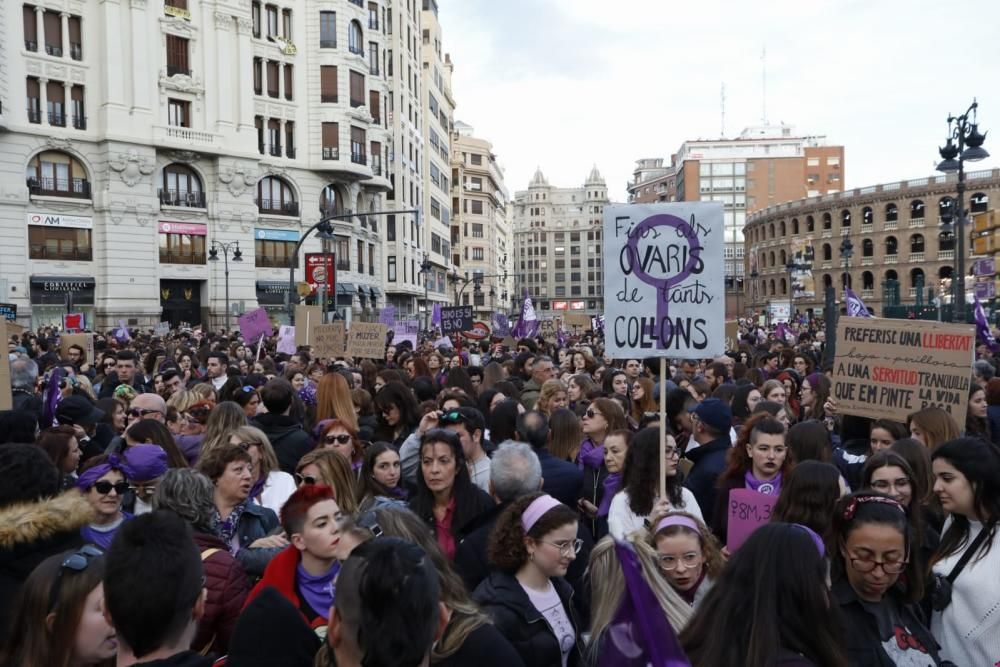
(527, 324)
(782, 332)
(121, 333)
(983, 327)
(500, 324)
(51, 397)
(436, 315)
(855, 306)
(561, 337)
(640, 633)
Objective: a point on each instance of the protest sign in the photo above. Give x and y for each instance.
(6, 398)
(255, 324)
(455, 319)
(161, 329)
(780, 311)
(501, 325)
(442, 341)
(387, 315)
(366, 340)
(547, 328)
(664, 292)
(581, 320)
(73, 322)
(748, 511)
(14, 329)
(889, 369)
(286, 339)
(406, 330)
(732, 335)
(306, 317)
(84, 340)
(8, 311)
(328, 340)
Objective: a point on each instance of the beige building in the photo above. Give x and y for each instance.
(896, 236)
(557, 245)
(480, 229)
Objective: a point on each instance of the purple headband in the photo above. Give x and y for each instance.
(817, 540)
(533, 512)
(677, 520)
(91, 475)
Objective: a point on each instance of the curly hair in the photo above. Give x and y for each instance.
(549, 389)
(641, 477)
(506, 550)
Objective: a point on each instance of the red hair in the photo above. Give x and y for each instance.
(293, 512)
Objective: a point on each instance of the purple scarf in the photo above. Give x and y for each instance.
(591, 455)
(772, 488)
(317, 590)
(226, 528)
(612, 484)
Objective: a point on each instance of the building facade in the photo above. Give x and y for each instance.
(557, 245)
(900, 238)
(139, 136)
(480, 232)
(652, 182)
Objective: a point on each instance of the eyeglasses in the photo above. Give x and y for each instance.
(104, 487)
(304, 479)
(76, 561)
(109, 364)
(453, 417)
(143, 490)
(142, 412)
(866, 565)
(342, 439)
(591, 414)
(885, 485)
(670, 563)
(566, 548)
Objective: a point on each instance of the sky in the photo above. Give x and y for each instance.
(563, 85)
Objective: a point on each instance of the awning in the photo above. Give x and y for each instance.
(374, 291)
(346, 288)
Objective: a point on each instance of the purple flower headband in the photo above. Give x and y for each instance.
(91, 475)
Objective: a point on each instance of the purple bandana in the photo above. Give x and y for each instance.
(318, 591)
(91, 475)
(772, 488)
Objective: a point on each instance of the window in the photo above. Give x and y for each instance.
(57, 174)
(331, 141)
(328, 83)
(272, 78)
(255, 15)
(477, 254)
(375, 106)
(354, 38)
(390, 266)
(376, 153)
(290, 138)
(390, 228)
(372, 16)
(328, 30)
(178, 113)
(330, 201)
(272, 20)
(373, 58)
(476, 159)
(435, 209)
(288, 82)
(357, 89)
(361, 256)
(182, 248)
(477, 206)
(258, 76)
(56, 101)
(275, 196)
(30, 28)
(75, 40)
(477, 231)
(52, 24)
(274, 254)
(177, 56)
(181, 187)
(34, 100)
(64, 243)
(358, 146)
(286, 24)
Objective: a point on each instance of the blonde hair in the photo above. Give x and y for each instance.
(252, 435)
(183, 400)
(203, 391)
(333, 400)
(549, 389)
(335, 471)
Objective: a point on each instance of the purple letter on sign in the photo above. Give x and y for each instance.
(748, 511)
(255, 324)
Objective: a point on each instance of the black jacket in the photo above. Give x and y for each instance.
(27, 401)
(484, 647)
(560, 479)
(592, 490)
(709, 462)
(111, 383)
(290, 442)
(502, 597)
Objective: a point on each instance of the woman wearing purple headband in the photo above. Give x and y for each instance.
(688, 555)
(103, 482)
(531, 547)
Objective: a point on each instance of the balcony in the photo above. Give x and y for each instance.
(373, 67)
(182, 258)
(373, 22)
(946, 255)
(274, 150)
(827, 265)
(77, 188)
(80, 122)
(867, 229)
(327, 43)
(892, 259)
(891, 225)
(827, 233)
(182, 198)
(377, 167)
(371, 270)
(867, 261)
(276, 207)
(356, 49)
(359, 157)
(34, 116)
(916, 222)
(54, 50)
(845, 231)
(917, 256)
(57, 118)
(30, 45)
(76, 51)
(331, 153)
(178, 69)
(359, 3)
(175, 135)
(868, 294)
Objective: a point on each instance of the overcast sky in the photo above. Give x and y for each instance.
(565, 84)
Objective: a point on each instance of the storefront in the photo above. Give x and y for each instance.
(180, 301)
(272, 297)
(54, 296)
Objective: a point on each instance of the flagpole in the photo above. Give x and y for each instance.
(663, 428)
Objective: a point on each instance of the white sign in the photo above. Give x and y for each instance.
(781, 311)
(59, 220)
(664, 283)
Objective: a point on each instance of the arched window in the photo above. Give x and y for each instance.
(845, 218)
(330, 201)
(867, 280)
(57, 174)
(773, 290)
(827, 221)
(945, 273)
(795, 226)
(781, 229)
(771, 230)
(275, 196)
(891, 245)
(917, 278)
(867, 216)
(867, 248)
(181, 187)
(355, 38)
(827, 252)
(827, 280)
(784, 258)
(916, 210)
(810, 224)
(979, 203)
(891, 213)
(946, 209)
(946, 241)
(891, 275)
(772, 264)
(784, 286)
(917, 243)
(847, 277)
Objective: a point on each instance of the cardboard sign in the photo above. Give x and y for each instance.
(406, 330)
(255, 324)
(547, 329)
(366, 340)
(664, 288)
(328, 340)
(581, 320)
(455, 319)
(14, 329)
(84, 340)
(306, 317)
(286, 339)
(8, 311)
(889, 369)
(6, 397)
(748, 511)
(443, 341)
(732, 335)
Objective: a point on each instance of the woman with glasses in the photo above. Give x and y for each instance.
(642, 399)
(445, 496)
(632, 506)
(103, 482)
(603, 416)
(341, 436)
(687, 553)
(271, 486)
(59, 619)
(330, 468)
(876, 584)
(530, 549)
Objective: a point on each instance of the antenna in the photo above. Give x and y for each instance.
(763, 84)
(722, 103)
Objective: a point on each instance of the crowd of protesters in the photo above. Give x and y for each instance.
(194, 499)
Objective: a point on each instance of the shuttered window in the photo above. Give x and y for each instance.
(375, 105)
(177, 55)
(357, 89)
(272, 78)
(328, 83)
(30, 28)
(288, 82)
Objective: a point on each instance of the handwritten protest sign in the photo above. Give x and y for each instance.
(732, 334)
(161, 329)
(748, 511)
(664, 292)
(286, 339)
(255, 324)
(328, 340)
(455, 319)
(306, 317)
(406, 330)
(889, 369)
(366, 340)
(6, 397)
(84, 340)
(387, 315)
(581, 320)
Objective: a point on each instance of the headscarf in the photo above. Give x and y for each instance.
(91, 475)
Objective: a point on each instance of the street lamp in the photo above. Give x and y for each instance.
(953, 157)
(846, 252)
(213, 256)
(425, 269)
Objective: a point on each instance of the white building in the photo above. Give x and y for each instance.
(135, 135)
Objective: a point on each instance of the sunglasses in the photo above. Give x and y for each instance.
(591, 414)
(453, 417)
(142, 412)
(77, 562)
(143, 490)
(343, 439)
(104, 487)
(304, 479)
